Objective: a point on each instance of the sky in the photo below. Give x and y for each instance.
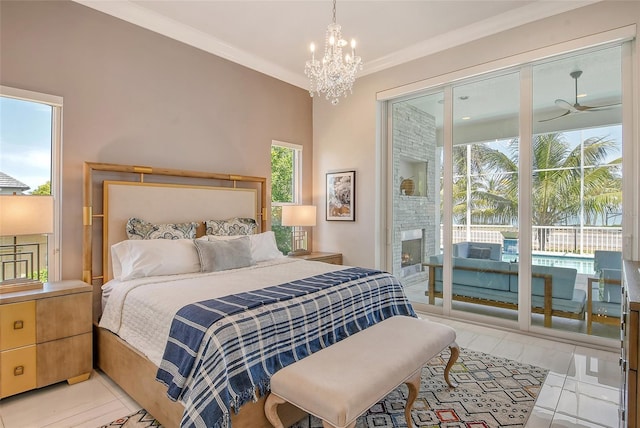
(25, 141)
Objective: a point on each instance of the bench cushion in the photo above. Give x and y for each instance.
(341, 382)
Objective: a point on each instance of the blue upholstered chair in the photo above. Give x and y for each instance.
(604, 303)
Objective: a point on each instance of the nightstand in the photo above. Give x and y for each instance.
(331, 258)
(45, 336)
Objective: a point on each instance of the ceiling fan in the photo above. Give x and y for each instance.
(576, 107)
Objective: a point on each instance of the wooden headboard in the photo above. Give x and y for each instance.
(157, 195)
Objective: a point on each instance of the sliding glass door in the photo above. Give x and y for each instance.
(415, 196)
(519, 231)
(485, 196)
(576, 192)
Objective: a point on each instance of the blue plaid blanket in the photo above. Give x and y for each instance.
(222, 352)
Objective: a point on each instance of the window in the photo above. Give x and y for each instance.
(286, 174)
(30, 135)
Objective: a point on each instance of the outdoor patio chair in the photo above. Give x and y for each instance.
(603, 303)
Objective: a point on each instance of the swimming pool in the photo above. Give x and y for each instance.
(581, 264)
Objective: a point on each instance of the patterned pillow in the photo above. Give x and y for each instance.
(232, 226)
(140, 229)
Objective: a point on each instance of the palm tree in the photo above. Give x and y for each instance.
(489, 187)
(567, 182)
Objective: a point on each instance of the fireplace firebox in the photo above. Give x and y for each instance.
(411, 252)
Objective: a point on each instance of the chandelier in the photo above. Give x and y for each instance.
(335, 74)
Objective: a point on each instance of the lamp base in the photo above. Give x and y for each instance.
(19, 284)
(299, 252)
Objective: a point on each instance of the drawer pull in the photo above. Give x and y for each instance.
(18, 325)
(18, 371)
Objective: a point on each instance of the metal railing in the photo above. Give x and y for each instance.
(557, 239)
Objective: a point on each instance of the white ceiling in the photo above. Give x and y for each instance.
(273, 37)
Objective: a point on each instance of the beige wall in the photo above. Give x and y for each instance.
(135, 97)
(345, 136)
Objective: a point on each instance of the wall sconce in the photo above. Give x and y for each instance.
(299, 216)
(23, 215)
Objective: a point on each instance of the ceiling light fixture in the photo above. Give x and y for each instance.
(334, 75)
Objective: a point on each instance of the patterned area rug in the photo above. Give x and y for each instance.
(492, 392)
(140, 419)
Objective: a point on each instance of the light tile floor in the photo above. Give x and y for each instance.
(581, 390)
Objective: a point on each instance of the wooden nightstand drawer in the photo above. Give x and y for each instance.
(63, 316)
(17, 370)
(17, 325)
(316, 256)
(64, 359)
(333, 260)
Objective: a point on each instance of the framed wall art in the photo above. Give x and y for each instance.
(341, 196)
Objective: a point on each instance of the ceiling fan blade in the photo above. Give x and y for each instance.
(597, 108)
(566, 105)
(577, 107)
(556, 117)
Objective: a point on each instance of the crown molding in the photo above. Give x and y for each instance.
(499, 23)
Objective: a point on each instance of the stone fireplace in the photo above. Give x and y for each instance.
(415, 223)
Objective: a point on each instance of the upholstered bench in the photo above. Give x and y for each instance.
(341, 382)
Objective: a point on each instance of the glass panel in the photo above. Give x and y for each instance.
(416, 194)
(577, 192)
(485, 196)
(25, 169)
(283, 191)
(282, 174)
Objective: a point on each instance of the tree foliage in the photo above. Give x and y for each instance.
(282, 169)
(281, 174)
(568, 182)
(43, 189)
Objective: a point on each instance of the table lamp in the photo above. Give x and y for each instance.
(299, 216)
(23, 215)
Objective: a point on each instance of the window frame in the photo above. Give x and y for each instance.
(297, 172)
(54, 259)
(297, 176)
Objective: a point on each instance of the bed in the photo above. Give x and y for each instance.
(209, 339)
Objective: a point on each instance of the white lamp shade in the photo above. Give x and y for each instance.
(26, 215)
(298, 215)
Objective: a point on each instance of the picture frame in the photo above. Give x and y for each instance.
(341, 196)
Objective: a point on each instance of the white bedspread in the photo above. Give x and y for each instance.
(140, 311)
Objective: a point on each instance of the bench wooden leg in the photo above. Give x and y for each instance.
(414, 388)
(455, 352)
(271, 410)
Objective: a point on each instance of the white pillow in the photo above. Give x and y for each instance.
(116, 267)
(153, 257)
(263, 245)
